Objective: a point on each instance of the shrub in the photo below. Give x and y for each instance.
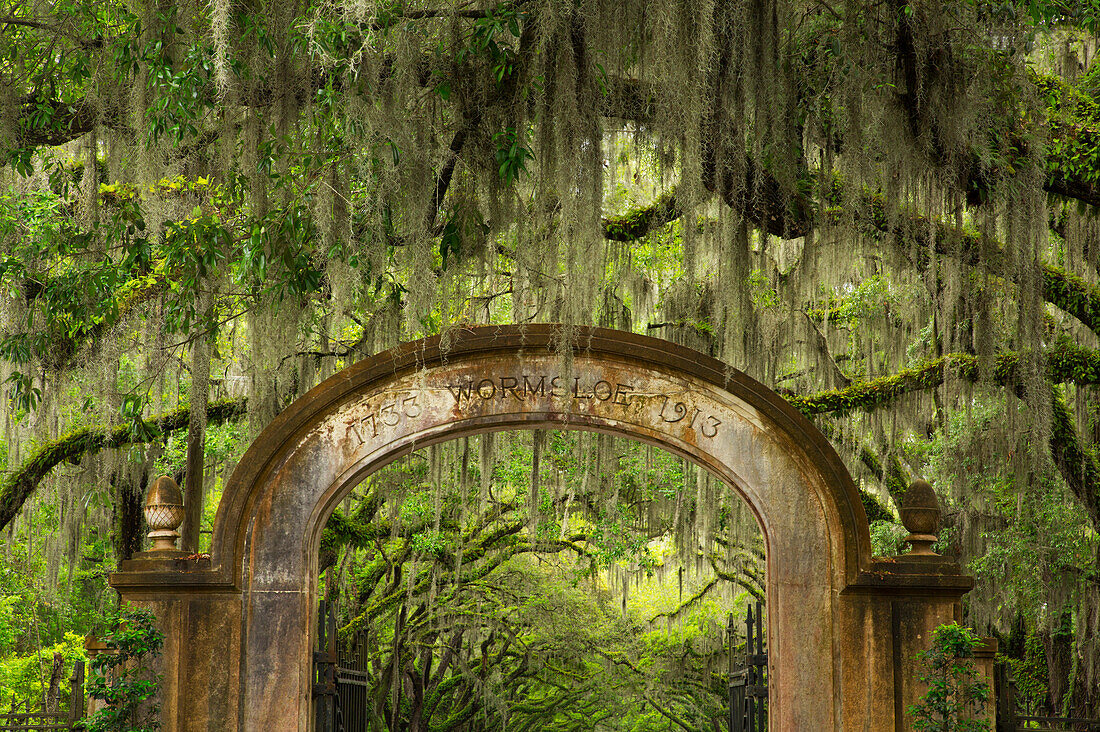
(956, 694)
(123, 679)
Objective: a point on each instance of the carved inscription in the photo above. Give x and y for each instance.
(673, 412)
(382, 416)
(386, 415)
(525, 387)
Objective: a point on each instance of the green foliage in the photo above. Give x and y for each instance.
(511, 155)
(584, 609)
(887, 537)
(304, 185)
(1014, 562)
(123, 678)
(46, 599)
(956, 694)
(1029, 673)
(1080, 13)
(492, 37)
(19, 484)
(23, 677)
(465, 229)
(1072, 294)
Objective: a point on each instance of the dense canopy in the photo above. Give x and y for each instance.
(886, 211)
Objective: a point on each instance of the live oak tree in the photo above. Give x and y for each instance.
(885, 211)
(470, 608)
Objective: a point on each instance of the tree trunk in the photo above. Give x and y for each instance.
(1084, 696)
(54, 691)
(193, 497)
(128, 516)
(1058, 645)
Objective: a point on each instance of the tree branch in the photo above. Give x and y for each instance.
(17, 487)
(688, 602)
(1076, 465)
(1065, 363)
(639, 222)
(67, 122)
(668, 715)
(55, 29)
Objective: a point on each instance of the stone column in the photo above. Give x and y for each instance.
(894, 609)
(984, 660)
(199, 613)
(200, 617)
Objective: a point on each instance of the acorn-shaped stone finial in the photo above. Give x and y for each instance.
(164, 513)
(920, 514)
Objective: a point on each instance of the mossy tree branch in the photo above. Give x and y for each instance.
(636, 224)
(1066, 363)
(689, 602)
(749, 580)
(1077, 465)
(18, 486)
(892, 475)
(667, 714)
(1062, 289)
(1073, 295)
(1073, 142)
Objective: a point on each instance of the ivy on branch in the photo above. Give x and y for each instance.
(635, 224)
(1066, 363)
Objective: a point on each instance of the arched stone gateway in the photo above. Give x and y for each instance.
(843, 628)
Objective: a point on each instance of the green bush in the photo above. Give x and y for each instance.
(956, 693)
(123, 679)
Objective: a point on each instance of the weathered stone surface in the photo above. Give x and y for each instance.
(837, 622)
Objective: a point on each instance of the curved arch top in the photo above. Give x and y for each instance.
(490, 357)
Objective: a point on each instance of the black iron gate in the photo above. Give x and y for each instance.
(748, 687)
(326, 699)
(1010, 719)
(340, 689)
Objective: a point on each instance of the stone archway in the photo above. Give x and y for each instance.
(842, 627)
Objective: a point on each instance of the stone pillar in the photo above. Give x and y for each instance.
(887, 618)
(93, 646)
(906, 598)
(198, 612)
(200, 661)
(985, 657)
